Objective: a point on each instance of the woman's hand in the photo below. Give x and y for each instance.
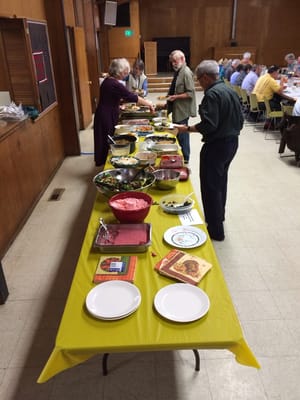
(147, 103)
(152, 108)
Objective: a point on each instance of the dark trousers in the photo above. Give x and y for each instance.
(215, 158)
(184, 141)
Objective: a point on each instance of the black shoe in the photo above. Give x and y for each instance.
(217, 238)
(216, 234)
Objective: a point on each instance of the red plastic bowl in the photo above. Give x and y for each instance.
(130, 216)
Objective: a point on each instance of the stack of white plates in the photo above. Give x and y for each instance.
(113, 300)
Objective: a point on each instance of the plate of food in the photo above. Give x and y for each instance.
(144, 130)
(160, 119)
(130, 107)
(162, 126)
(125, 161)
(161, 138)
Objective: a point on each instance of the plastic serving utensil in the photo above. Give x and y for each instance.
(184, 200)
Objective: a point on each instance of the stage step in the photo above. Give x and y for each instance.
(157, 83)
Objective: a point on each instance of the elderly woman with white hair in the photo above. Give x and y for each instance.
(220, 126)
(112, 91)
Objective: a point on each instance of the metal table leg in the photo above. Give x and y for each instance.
(105, 358)
(197, 360)
(104, 364)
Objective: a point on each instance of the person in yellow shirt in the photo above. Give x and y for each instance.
(270, 87)
(267, 86)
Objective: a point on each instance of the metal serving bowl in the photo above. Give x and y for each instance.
(113, 181)
(166, 179)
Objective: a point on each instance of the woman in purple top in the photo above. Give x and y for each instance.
(112, 91)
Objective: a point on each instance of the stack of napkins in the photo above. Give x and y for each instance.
(117, 267)
(183, 266)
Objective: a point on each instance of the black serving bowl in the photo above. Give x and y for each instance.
(124, 139)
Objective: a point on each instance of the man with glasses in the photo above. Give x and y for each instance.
(220, 126)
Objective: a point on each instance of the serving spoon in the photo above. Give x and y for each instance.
(184, 200)
(111, 139)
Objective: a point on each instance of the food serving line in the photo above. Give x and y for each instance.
(164, 314)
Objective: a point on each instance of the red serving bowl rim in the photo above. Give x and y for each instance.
(131, 216)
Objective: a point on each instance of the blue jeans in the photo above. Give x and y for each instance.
(184, 141)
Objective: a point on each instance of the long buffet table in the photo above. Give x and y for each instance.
(81, 336)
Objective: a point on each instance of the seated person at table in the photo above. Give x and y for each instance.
(137, 81)
(222, 64)
(230, 68)
(244, 72)
(251, 78)
(235, 75)
(267, 87)
(291, 62)
(296, 109)
(297, 68)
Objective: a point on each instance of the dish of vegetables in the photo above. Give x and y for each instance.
(117, 180)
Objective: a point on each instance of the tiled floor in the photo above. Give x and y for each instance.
(260, 260)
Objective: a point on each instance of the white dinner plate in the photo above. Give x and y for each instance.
(185, 237)
(181, 302)
(113, 299)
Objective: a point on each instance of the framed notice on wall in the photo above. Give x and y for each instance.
(42, 63)
(40, 67)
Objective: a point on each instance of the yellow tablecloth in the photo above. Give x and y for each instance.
(80, 336)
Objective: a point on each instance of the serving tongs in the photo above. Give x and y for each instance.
(136, 175)
(112, 141)
(104, 229)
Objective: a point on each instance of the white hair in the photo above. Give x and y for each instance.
(210, 67)
(290, 57)
(236, 62)
(118, 66)
(247, 55)
(176, 54)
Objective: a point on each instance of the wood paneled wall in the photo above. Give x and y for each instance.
(271, 26)
(122, 46)
(29, 155)
(30, 9)
(31, 152)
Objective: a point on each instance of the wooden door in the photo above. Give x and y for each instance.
(82, 81)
